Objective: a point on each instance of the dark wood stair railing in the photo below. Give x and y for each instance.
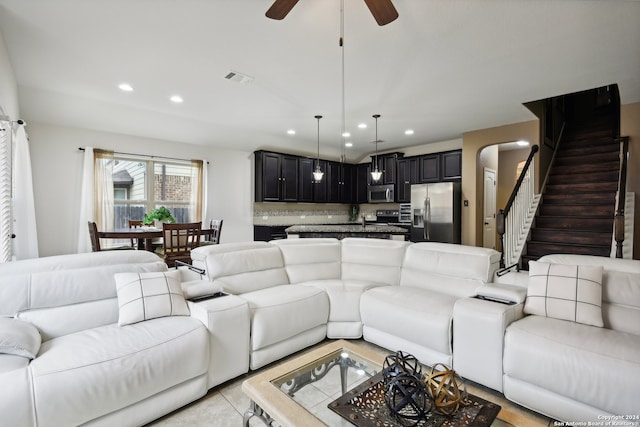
(622, 191)
(503, 213)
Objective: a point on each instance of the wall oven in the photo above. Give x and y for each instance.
(381, 193)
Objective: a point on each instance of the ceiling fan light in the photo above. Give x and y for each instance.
(376, 175)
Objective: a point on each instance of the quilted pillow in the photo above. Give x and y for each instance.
(144, 296)
(566, 292)
(19, 338)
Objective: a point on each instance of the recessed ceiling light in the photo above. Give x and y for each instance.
(291, 132)
(125, 87)
(408, 132)
(346, 134)
(177, 99)
(348, 144)
(522, 143)
(362, 125)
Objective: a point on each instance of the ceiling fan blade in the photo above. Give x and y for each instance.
(280, 8)
(382, 10)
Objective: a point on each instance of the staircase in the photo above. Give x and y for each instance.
(577, 208)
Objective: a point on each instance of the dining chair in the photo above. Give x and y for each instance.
(178, 240)
(135, 223)
(95, 240)
(212, 236)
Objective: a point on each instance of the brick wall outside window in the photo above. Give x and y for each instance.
(177, 188)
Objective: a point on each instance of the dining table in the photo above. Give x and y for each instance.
(144, 235)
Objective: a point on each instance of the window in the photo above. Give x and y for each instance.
(141, 185)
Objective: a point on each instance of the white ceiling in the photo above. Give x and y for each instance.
(444, 67)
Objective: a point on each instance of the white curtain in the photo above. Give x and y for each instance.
(103, 175)
(25, 244)
(203, 188)
(96, 199)
(198, 202)
(86, 202)
(5, 191)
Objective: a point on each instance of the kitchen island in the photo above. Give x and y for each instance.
(340, 231)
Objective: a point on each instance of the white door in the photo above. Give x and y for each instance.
(489, 209)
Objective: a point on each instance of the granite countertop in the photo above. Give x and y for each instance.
(347, 228)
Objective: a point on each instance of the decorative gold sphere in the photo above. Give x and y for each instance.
(443, 389)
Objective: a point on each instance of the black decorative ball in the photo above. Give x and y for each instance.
(398, 363)
(407, 399)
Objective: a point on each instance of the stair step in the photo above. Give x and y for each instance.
(587, 158)
(572, 223)
(588, 211)
(580, 237)
(567, 149)
(594, 132)
(539, 249)
(608, 198)
(580, 168)
(583, 178)
(590, 187)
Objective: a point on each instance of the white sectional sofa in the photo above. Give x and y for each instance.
(573, 371)
(80, 367)
(303, 290)
(64, 361)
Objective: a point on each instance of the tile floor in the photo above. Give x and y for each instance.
(224, 405)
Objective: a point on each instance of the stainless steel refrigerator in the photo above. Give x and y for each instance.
(436, 212)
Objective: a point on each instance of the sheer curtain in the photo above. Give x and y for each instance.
(25, 244)
(103, 176)
(198, 202)
(96, 200)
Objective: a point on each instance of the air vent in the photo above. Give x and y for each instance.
(238, 77)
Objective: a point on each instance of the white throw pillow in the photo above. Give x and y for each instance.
(144, 296)
(566, 292)
(19, 338)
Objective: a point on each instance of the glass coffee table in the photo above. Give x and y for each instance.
(326, 387)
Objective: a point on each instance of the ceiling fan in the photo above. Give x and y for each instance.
(382, 10)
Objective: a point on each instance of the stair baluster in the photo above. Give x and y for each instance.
(512, 219)
(622, 191)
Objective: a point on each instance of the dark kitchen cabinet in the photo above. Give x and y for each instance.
(390, 168)
(339, 182)
(429, 168)
(276, 177)
(305, 179)
(388, 165)
(348, 194)
(265, 233)
(451, 165)
(407, 175)
(288, 178)
(362, 179)
(333, 175)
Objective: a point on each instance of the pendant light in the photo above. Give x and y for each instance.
(318, 174)
(375, 173)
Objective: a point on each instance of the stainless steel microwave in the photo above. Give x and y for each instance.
(381, 193)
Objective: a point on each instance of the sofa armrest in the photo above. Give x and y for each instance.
(478, 338)
(500, 292)
(228, 320)
(17, 407)
(189, 273)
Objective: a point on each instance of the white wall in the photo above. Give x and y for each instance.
(57, 169)
(8, 85)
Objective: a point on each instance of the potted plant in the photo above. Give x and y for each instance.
(158, 216)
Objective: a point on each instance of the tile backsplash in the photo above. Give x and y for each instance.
(308, 213)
